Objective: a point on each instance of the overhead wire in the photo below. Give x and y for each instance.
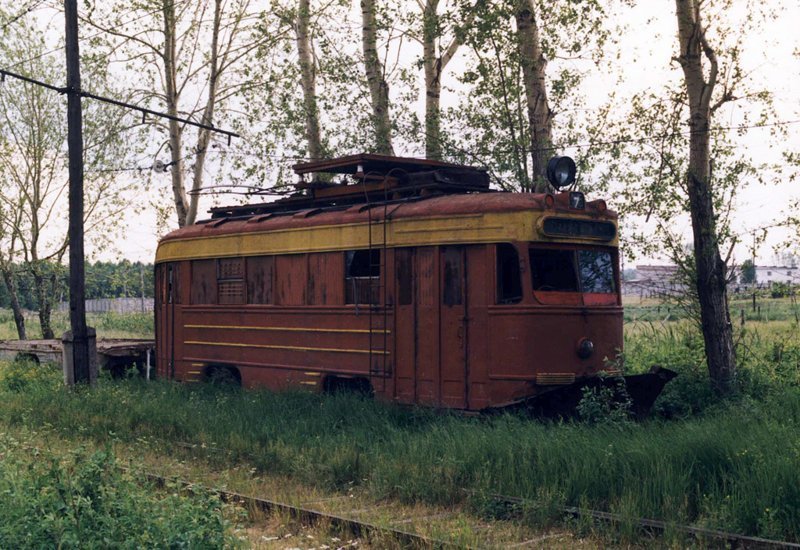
(25, 11)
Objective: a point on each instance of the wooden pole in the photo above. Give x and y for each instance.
(77, 303)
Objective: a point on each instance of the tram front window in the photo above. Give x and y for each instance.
(570, 270)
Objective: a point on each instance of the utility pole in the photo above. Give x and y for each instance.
(81, 356)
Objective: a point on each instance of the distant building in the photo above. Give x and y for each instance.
(663, 280)
(768, 274)
(654, 281)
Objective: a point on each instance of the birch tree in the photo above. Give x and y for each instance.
(10, 217)
(680, 162)
(180, 48)
(33, 165)
(308, 79)
(540, 115)
(376, 79)
(436, 55)
(698, 59)
(530, 57)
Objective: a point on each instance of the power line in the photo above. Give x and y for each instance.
(25, 11)
(66, 90)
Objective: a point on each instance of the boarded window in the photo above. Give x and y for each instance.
(260, 271)
(230, 281)
(204, 282)
(291, 274)
(453, 291)
(509, 283)
(405, 268)
(324, 279)
(362, 276)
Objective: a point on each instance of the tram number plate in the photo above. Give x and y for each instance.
(587, 229)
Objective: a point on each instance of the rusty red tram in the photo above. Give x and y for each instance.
(406, 278)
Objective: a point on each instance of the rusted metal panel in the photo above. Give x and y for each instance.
(453, 327)
(405, 360)
(325, 278)
(480, 285)
(291, 279)
(427, 326)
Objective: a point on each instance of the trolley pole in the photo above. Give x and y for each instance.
(80, 353)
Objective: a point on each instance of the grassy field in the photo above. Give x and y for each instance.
(108, 325)
(730, 464)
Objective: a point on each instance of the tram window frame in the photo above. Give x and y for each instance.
(508, 275)
(362, 270)
(203, 287)
(565, 272)
(607, 279)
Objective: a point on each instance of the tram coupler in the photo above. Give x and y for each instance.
(639, 390)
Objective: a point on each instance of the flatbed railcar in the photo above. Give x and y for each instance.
(406, 278)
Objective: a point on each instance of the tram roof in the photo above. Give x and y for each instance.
(442, 206)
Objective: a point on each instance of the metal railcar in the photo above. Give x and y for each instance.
(406, 278)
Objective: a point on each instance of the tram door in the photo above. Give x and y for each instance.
(430, 327)
(166, 287)
(453, 327)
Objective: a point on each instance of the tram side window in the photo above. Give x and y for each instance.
(509, 284)
(597, 271)
(260, 271)
(230, 281)
(362, 276)
(204, 282)
(553, 270)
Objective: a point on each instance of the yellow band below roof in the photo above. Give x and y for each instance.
(472, 228)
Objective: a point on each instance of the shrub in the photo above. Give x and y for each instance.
(84, 500)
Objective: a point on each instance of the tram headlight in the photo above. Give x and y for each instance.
(585, 348)
(561, 171)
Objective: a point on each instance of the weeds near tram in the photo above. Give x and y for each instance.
(728, 464)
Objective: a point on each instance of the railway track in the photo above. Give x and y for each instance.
(656, 526)
(365, 529)
(311, 517)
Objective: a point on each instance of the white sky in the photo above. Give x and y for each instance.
(645, 51)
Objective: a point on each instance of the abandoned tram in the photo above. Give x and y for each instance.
(406, 278)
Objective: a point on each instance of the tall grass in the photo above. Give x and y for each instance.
(733, 467)
(108, 325)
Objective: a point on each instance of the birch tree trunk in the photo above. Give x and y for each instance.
(433, 80)
(43, 297)
(434, 65)
(16, 309)
(711, 270)
(204, 135)
(540, 117)
(308, 79)
(378, 87)
(169, 55)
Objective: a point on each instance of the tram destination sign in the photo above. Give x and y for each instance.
(577, 228)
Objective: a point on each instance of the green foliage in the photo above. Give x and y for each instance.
(748, 272)
(84, 500)
(21, 376)
(103, 280)
(608, 403)
(781, 290)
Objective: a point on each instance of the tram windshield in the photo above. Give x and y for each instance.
(572, 270)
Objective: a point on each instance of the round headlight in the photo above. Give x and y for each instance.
(585, 348)
(561, 171)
